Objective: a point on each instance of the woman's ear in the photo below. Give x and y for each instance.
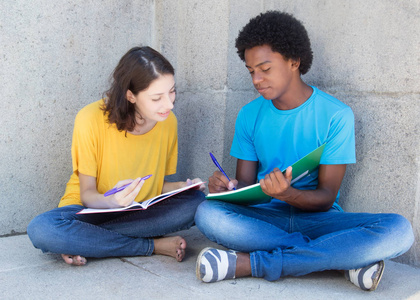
(130, 96)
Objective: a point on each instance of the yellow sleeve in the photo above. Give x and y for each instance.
(85, 142)
(172, 150)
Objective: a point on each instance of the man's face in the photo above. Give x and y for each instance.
(271, 74)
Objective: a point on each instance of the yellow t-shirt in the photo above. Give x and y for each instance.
(101, 151)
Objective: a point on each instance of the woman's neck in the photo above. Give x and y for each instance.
(142, 127)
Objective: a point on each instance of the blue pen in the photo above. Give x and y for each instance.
(219, 166)
(119, 189)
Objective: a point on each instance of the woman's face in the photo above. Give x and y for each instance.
(156, 102)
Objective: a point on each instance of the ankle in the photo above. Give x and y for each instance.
(243, 265)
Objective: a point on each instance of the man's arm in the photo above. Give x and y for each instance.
(322, 198)
(246, 172)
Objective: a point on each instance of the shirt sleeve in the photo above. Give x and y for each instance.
(243, 141)
(340, 147)
(84, 144)
(172, 160)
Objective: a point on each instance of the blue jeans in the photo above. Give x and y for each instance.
(62, 231)
(283, 240)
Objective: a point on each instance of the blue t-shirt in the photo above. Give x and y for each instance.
(278, 138)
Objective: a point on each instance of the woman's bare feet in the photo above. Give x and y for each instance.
(171, 246)
(75, 260)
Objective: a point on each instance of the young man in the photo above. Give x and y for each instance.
(303, 229)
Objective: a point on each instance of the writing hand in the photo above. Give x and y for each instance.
(219, 183)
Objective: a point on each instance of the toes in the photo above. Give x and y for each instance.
(180, 253)
(79, 260)
(75, 260)
(182, 244)
(67, 258)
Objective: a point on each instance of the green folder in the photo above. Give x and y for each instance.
(253, 194)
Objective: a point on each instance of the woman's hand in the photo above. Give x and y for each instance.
(91, 198)
(201, 187)
(126, 196)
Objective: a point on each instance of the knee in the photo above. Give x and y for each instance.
(403, 229)
(198, 196)
(203, 215)
(37, 231)
(212, 218)
(397, 234)
(188, 202)
(190, 198)
(44, 229)
(205, 219)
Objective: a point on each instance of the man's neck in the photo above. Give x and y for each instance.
(296, 95)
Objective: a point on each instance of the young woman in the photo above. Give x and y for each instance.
(129, 134)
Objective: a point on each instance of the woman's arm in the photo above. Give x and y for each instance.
(91, 198)
(171, 186)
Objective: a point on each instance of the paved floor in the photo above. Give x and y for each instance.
(27, 273)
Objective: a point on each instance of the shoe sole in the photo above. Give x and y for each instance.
(198, 262)
(378, 276)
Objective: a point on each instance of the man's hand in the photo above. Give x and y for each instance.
(322, 198)
(218, 183)
(277, 185)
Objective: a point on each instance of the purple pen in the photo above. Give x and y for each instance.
(219, 166)
(119, 189)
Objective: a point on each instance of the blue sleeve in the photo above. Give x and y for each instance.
(243, 141)
(340, 147)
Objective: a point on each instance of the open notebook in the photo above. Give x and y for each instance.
(253, 194)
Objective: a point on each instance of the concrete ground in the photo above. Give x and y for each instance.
(27, 273)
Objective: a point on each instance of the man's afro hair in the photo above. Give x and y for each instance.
(282, 32)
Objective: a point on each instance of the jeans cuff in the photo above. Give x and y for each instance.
(151, 247)
(253, 258)
(267, 265)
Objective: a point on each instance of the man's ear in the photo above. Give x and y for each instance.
(295, 64)
(130, 96)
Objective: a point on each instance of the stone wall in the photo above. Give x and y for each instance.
(56, 58)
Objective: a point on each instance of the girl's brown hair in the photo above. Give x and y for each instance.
(135, 72)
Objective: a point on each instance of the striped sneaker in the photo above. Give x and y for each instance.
(215, 265)
(366, 278)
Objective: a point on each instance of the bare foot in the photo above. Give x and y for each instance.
(171, 246)
(75, 260)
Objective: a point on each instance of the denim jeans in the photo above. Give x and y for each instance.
(283, 240)
(63, 231)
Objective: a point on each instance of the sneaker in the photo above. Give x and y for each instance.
(366, 278)
(215, 265)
